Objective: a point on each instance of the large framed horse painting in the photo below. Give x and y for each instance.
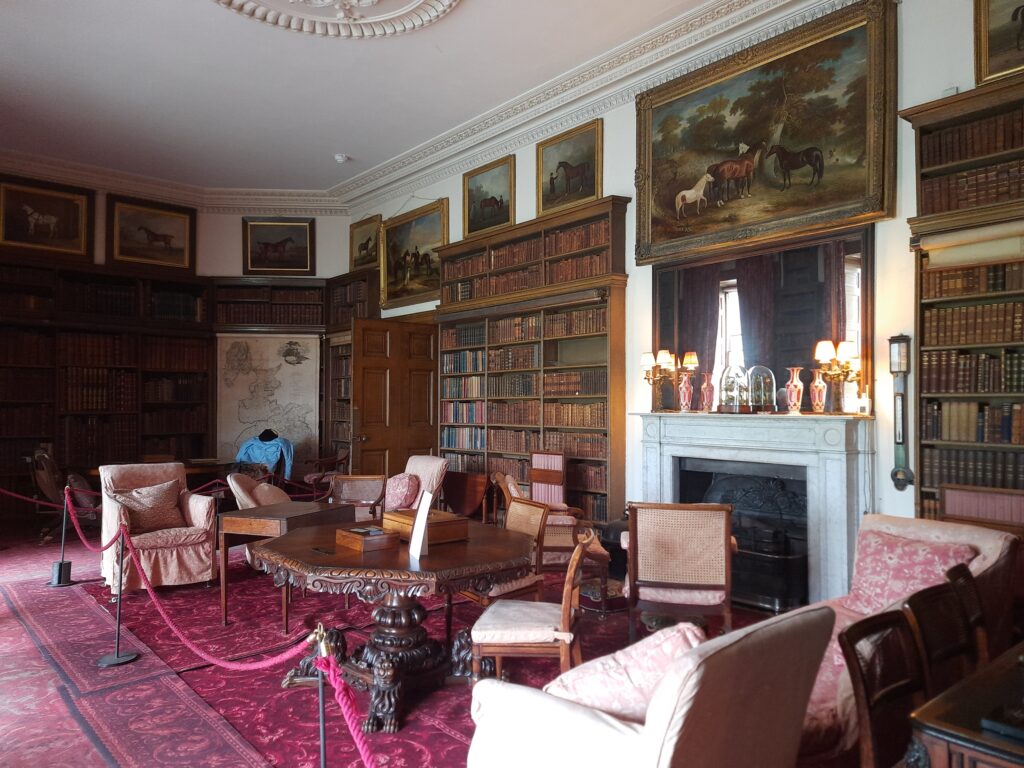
(364, 243)
(146, 235)
(489, 196)
(569, 167)
(43, 220)
(998, 39)
(791, 136)
(410, 267)
(278, 245)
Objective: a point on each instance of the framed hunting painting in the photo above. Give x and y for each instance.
(998, 39)
(489, 196)
(569, 168)
(146, 234)
(38, 218)
(278, 245)
(410, 269)
(794, 136)
(364, 243)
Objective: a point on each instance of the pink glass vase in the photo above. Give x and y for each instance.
(707, 394)
(794, 390)
(818, 388)
(685, 391)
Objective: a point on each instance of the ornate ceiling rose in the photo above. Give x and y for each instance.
(344, 18)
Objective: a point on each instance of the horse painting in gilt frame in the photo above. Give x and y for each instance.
(998, 39)
(40, 220)
(364, 243)
(278, 245)
(569, 167)
(794, 137)
(146, 236)
(489, 196)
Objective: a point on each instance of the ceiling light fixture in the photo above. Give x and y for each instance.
(344, 18)
(341, 157)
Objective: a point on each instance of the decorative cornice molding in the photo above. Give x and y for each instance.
(341, 18)
(600, 85)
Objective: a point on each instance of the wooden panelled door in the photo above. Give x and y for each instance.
(394, 374)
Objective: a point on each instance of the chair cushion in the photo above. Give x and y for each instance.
(401, 491)
(889, 568)
(519, 621)
(678, 596)
(266, 494)
(151, 508)
(621, 684)
(170, 538)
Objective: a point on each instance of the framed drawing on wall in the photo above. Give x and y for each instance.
(278, 245)
(998, 39)
(40, 219)
(363, 243)
(796, 136)
(410, 269)
(569, 167)
(145, 234)
(489, 196)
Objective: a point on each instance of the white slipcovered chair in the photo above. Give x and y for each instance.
(737, 700)
(431, 471)
(171, 527)
(250, 492)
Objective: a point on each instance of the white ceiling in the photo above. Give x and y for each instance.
(190, 92)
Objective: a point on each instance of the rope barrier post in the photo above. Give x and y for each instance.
(60, 571)
(324, 648)
(117, 658)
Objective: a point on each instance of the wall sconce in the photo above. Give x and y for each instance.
(839, 364)
(899, 366)
(686, 369)
(658, 370)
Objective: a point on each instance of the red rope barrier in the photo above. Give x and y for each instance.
(73, 514)
(29, 499)
(347, 701)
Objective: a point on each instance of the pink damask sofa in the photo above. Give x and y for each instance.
(896, 557)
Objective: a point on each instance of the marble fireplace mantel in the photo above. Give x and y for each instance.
(835, 452)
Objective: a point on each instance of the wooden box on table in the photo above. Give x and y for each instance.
(441, 526)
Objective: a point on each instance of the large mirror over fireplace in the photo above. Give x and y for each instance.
(770, 308)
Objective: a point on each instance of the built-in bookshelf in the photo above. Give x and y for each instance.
(255, 303)
(338, 393)
(970, 158)
(531, 341)
(350, 296)
(971, 377)
(175, 396)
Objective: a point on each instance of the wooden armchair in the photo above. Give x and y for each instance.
(364, 492)
(945, 639)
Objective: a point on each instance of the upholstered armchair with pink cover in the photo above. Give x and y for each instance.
(669, 700)
(429, 471)
(171, 527)
(896, 557)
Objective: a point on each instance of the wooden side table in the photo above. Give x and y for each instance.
(257, 523)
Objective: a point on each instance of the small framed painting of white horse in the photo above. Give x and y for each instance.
(569, 168)
(278, 245)
(489, 196)
(38, 217)
(364, 243)
(998, 39)
(145, 235)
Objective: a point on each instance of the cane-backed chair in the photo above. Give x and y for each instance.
(364, 492)
(888, 684)
(531, 629)
(679, 561)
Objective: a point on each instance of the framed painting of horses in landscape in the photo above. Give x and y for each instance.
(795, 136)
(489, 196)
(998, 39)
(38, 218)
(569, 168)
(278, 245)
(364, 243)
(409, 264)
(147, 235)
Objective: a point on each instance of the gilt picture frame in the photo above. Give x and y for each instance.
(489, 196)
(45, 221)
(147, 236)
(795, 136)
(998, 39)
(279, 246)
(410, 267)
(364, 243)
(570, 167)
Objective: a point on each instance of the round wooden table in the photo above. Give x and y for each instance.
(398, 655)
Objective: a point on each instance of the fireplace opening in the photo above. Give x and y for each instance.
(769, 523)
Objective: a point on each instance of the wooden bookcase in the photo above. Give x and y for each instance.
(350, 296)
(338, 394)
(264, 303)
(970, 158)
(532, 325)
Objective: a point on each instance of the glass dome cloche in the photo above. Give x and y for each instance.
(761, 388)
(733, 392)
